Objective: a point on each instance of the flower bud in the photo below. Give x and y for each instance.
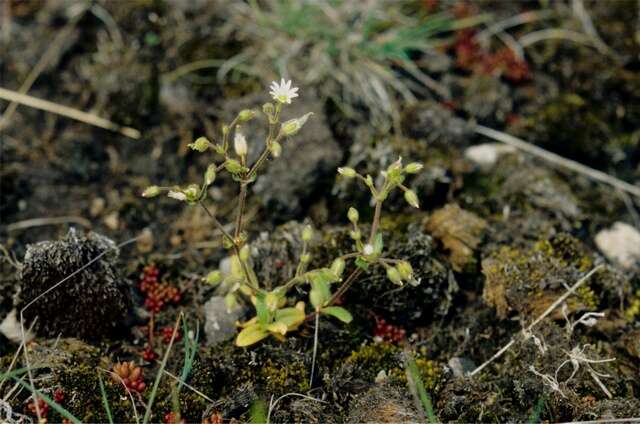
(337, 267)
(244, 253)
(353, 215)
(178, 195)
(201, 144)
(192, 192)
(394, 275)
(151, 191)
(292, 126)
(356, 235)
(347, 172)
(214, 277)
(233, 166)
(411, 198)
(246, 115)
(305, 258)
(307, 233)
(413, 168)
(268, 108)
(276, 149)
(210, 174)
(405, 270)
(240, 144)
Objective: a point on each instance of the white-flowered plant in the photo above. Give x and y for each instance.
(277, 314)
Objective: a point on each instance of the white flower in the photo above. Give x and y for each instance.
(240, 144)
(283, 92)
(178, 195)
(368, 249)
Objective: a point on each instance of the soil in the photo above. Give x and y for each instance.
(493, 246)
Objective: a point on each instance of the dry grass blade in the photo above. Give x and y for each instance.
(68, 112)
(39, 222)
(558, 160)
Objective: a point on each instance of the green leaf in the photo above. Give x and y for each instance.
(262, 310)
(250, 335)
(362, 263)
(338, 312)
(291, 317)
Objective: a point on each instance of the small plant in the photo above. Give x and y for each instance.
(275, 313)
(130, 375)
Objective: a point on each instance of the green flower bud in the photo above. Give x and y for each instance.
(225, 129)
(233, 166)
(268, 108)
(246, 115)
(394, 275)
(244, 253)
(307, 233)
(292, 126)
(355, 235)
(405, 270)
(395, 168)
(347, 172)
(151, 191)
(192, 192)
(413, 168)
(276, 149)
(411, 198)
(231, 302)
(305, 258)
(214, 277)
(353, 215)
(210, 174)
(201, 144)
(337, 267)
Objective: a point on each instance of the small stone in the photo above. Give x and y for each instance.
(10, 328)
(461, 366)
(220, 325)
(485, 156)
(620, 244)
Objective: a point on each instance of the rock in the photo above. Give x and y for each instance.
(486, 155)
(10, 328)
(383, 404)
(91, 304)
(434, 122)
(220, 325)
(620, 244)
(308, 160)
(461, 366)
(459, 231)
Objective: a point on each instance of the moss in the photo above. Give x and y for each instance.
(370, 359)
(633, 311)
(294, 376)
(528, 280)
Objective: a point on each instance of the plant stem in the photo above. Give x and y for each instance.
(241, 202)
(315, 348)
(376, 221)
(217, 223)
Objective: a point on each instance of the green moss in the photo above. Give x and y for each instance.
(526, 280)
(370, 359)
(294, 376)
(633, 311)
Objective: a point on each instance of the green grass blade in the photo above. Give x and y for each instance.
(534, 418)
(425, 399)
(105, 401)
